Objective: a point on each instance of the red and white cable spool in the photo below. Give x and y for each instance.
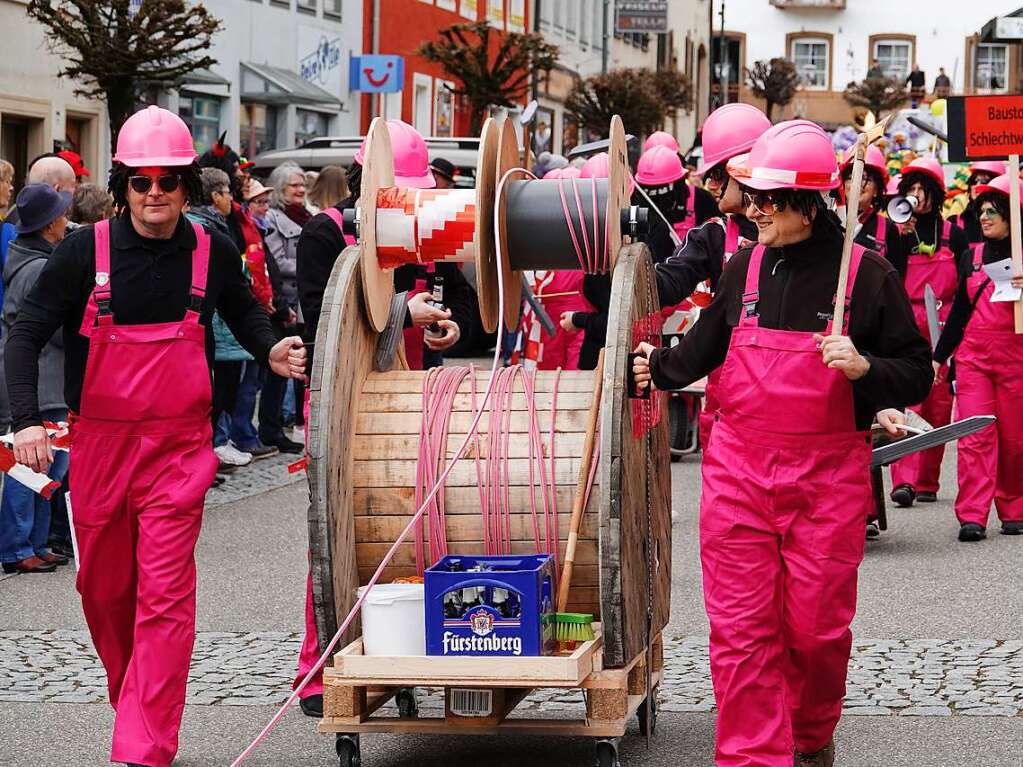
(425, 226)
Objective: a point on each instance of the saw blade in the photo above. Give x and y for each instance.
(933, 322)
(883, 456)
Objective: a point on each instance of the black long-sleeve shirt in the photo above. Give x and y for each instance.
(150, 282)
(894, 249)
(658, 238)
(797, 289)
(964, 303)
(701, 257)
(321, 243)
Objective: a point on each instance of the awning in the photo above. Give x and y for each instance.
(205, 77)
(265, 84)
(1003, 29)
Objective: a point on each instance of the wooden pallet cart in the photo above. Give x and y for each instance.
(363, 443)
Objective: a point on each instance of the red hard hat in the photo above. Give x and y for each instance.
(660, 138)
(658, 166)
(929, 166)
(796, 154)
(411, 158)
(154, 137)
(730, 130)
(874, 159)
(994, 167)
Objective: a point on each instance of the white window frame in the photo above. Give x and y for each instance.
(597, 38)
(470, 9)
(894, 41)
(571, 19)
(334, 11)
(496, 14)
(390, 104)
(814, 40)
(308, 6)
(516, 8)
(976, 61)
(584, 23)
(421, 80)
(448, 5)
(438, 87)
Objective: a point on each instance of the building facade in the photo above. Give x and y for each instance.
(39, 111)
(834, 42)
(399, 27)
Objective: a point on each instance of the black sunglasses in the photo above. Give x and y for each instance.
(167, 184)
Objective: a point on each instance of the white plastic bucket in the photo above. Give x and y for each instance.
(394, 619)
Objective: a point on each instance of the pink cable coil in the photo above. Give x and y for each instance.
(417, 517)
(593, 260)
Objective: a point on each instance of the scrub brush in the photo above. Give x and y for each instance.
(572, 628)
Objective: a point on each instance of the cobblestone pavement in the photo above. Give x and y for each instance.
(258, 477)
(916, 677)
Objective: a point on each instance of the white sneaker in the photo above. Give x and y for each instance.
(232, 456)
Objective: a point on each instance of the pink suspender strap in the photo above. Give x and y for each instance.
(200, 268)
(338, 218)
(100, 296)
(751, 294)
(879, 237)
(946, 233)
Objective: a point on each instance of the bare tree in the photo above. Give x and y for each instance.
(643, 100)
(115, 51)
(878, 94)
(489, 78)
(774, 81)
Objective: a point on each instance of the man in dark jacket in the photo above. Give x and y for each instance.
(25, 516)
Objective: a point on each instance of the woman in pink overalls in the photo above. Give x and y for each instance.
(729, 131)
(936, 250)
(876, 232)
(135, 296)
(981, 173)
(989, 377)
(786, 477)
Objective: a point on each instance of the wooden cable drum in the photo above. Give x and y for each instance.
(364, 433)
(386, 241)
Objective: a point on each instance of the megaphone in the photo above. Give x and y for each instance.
(900, 209)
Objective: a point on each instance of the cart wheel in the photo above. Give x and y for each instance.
(607, 754)
(348, 750)
(647, 713)
(408, 706)
(678, 426)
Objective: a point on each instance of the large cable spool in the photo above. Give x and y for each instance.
(364, 436)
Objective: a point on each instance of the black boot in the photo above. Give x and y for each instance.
(312, 706)
(1012, 528)
(925, 496)
(904, 495)
(971, 532)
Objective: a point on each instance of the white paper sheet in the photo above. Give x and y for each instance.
(1000, 273)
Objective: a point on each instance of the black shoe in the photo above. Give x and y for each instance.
(260, 451)
(312, 706)
(1012, 528)
(62, 550)
(872, 531)
(925, 496)
(904, 495)
(971, 532)
(226, 468)
(286, 445)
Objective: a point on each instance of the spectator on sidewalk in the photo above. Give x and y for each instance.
(875, 70)
(942, 85)
(25, 516)
(285, 219)
(51, 170)
(917, 81)
(91, 204)
(77, 166)
(229, 355)
(329, 188)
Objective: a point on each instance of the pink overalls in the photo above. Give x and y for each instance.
(562, 350)
(785, 482)
(922, 470)
(989, 381)
(733, 241)
(689, 222)
(140, 468)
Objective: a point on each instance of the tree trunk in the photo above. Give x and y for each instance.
(479, 114)
(769, 110)
(120, 106)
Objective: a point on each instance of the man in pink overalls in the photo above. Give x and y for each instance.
(989, 377)
(134, 297)
(786, 477)
(937, 251)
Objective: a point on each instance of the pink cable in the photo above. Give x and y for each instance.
(596, 219)
(591, 258)
(571, 226)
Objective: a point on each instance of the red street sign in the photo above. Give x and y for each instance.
(984, 127)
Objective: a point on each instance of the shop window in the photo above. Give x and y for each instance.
(309, 125)
(309, 6)
(258, 128)
(894, 57)
(991, 68)
(332, 8)
(812, 57)
(202, 116)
